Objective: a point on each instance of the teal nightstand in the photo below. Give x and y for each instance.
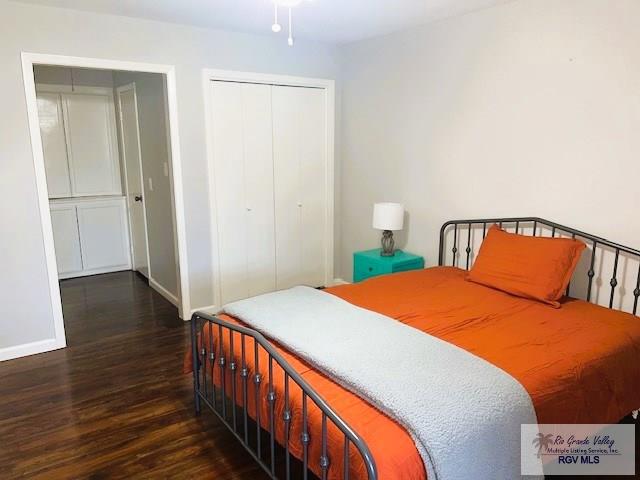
(369, 263)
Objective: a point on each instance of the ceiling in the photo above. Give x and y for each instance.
(329, 21)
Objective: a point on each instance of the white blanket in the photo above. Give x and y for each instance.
(463, 413)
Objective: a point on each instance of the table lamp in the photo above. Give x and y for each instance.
(388, 217)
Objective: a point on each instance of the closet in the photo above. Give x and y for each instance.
(271, 170)
(88, 211)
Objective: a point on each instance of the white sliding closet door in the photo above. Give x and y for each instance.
(243, 173)
(300, 170)
(258, 174)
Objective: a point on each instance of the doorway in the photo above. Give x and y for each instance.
(88, 249)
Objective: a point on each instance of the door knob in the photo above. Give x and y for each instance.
(138, 198)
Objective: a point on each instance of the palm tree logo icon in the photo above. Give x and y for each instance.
(542, 441)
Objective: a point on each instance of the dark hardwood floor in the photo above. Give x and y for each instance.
(115, 403)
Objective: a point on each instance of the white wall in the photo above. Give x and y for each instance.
(152, 116)
(24, 296)
(528, 108)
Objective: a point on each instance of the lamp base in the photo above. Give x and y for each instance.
(387, 244)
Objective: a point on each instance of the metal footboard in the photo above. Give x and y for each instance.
(240, 398)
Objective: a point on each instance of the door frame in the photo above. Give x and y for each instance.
(119, 90)
(328, 86)
(29, 60)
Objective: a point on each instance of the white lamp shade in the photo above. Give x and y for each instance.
(388, 216)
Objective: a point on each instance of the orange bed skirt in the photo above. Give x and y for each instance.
(579, 363)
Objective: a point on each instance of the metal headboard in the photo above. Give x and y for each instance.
(465, 231)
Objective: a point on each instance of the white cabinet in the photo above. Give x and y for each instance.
(66, 239)
(79, 142)
(88, 213)
(270, 176)
(54, 144)
(91, 236)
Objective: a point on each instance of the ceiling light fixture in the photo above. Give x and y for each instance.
(288, 4)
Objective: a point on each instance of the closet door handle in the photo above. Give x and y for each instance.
(299, 204)
(138, 198)
(248, 209)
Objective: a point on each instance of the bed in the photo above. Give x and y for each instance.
(579, 363)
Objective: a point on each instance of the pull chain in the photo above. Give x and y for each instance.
(290, 39)
(276, 26)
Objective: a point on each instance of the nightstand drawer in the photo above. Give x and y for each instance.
(366, 268)
(416, 264)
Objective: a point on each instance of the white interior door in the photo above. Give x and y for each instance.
(243, 176)
(131, 154)
(300, 174)
(54, 145)
(92, 145)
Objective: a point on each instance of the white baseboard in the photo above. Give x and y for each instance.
(95, 271)
(164, 292)
(339, 281)
(210, 309)
(41, 346)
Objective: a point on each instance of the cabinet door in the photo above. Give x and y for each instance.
(91, 142)
(300, 172)
(66, 239)
(104, 236)
(243, 178)
(53, 144)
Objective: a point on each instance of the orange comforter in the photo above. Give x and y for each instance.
(579, 363)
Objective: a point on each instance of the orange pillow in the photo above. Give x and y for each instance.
(530, 267)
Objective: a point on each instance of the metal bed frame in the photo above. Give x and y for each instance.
(231, 412)
(537, 225)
